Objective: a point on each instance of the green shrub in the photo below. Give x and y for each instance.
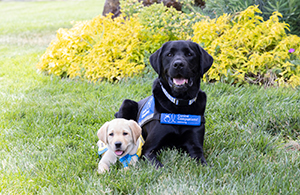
(111, 49)
(102, 48)
(248, 49)
(167, 23)
(160, 23)
(131, 7)
(290, 9)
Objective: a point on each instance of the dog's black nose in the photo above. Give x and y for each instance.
(118, 144)
(178, 64)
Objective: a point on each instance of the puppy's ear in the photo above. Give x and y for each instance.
(102, 132)
(135, 129)
(155, 59)
(206, 60)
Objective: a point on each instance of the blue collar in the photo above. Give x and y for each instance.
(125, 160)
(179, 102)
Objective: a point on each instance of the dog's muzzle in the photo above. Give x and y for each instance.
(178, 64)
(118, 145)
(118, 151)
(175, 76)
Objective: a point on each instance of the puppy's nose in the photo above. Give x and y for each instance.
(118, 144)
(177, 64)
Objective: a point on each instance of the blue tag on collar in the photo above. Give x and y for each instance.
(125, 160)
(180, 119)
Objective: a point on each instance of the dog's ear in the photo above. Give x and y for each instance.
(135, 129)
(155, 59)
(206, 60)
(102, 132)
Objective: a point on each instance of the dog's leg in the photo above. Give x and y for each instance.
(107, 159)
(153, 142)
(198, 155)
(151, 157)
(102, 168)
(195, 147)
(150, 150)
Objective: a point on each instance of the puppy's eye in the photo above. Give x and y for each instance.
(125, 133)
(169, 55)
(189, 54)
(111, 134)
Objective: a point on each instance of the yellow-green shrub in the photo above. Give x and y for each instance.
(160, 23)
(247, 48)
(98, 49)
(111, 49)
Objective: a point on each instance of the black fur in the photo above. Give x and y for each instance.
(183, 60)
(128, 110)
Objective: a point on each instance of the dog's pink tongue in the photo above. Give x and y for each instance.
(119, 152)
(180, 81)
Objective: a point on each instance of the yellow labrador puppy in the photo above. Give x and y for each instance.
(119, 139)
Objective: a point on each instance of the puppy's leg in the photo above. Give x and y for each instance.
(102, 168)
(107, 159)
(133, 161)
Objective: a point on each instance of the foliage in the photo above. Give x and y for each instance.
(131, 7)
(290, 9)
(111, 49)
(96, 49)
(163, 24)
(247, 48)
(160, 23)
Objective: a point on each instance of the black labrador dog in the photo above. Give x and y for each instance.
(174, 115)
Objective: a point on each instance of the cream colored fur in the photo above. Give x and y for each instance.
(122, 132)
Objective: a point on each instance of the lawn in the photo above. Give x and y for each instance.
(48, 125)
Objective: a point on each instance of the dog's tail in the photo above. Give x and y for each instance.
(128, 110)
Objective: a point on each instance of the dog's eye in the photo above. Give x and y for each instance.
(125, 133)
(189, 54)
(169, 55)
(111, 134)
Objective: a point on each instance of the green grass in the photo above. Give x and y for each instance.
(48, 126)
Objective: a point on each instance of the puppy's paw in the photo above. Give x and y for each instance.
(134, 161)
(102, 168)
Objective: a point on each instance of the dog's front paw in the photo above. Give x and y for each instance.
(102, 168)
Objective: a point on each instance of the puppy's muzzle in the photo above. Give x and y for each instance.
(118, 145)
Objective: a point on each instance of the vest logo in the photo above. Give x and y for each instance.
(180, 119)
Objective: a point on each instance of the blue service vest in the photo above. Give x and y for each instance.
(147, 113)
